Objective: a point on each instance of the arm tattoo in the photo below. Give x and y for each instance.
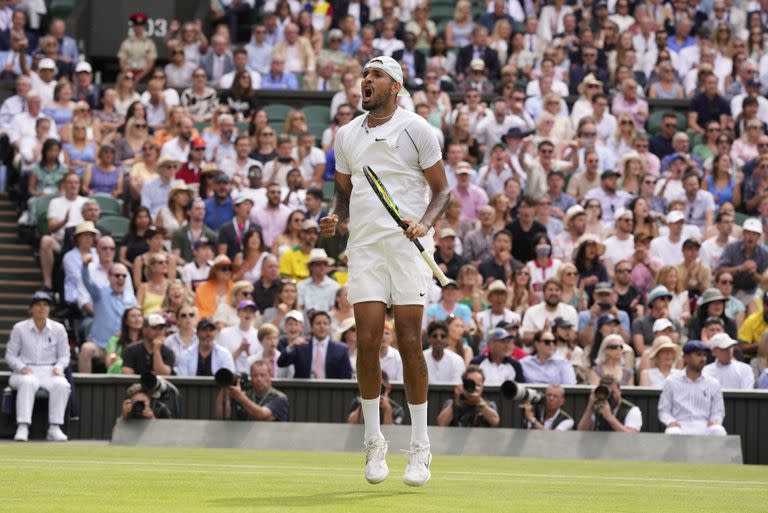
(340, 203)
(436, 207)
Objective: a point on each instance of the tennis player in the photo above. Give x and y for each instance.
(384, 268)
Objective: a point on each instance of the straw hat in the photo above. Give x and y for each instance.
(585, 239)
(586, 82)
(346, 325)
(664, 342)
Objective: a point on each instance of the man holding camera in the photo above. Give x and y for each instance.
(549, 416)
(150, 354)
(389, 411)
(259, 401)
(691, 403)
(607, 411)
(139, 405)
(208, 357)
(468, 408)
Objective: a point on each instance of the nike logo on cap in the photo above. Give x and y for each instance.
(421, 294)
(379, 140)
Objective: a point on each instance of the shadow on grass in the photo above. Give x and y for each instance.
(315, 499)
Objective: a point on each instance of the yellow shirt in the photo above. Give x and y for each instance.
(293, 264)
(752, 328)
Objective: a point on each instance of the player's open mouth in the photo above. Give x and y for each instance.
(367, 92)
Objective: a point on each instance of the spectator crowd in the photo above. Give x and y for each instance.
(608, 165)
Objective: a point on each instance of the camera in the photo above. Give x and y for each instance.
(602, 394)
(225, 378)
(153, 385)
(137, 410)
(469, 385)
(520, 393)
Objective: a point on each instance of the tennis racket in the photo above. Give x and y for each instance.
(391, 207)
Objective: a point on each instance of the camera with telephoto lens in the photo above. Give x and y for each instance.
(225, 378)
(520, 393)
(469, 385)
(153, 385)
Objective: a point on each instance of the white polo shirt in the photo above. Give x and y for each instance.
(447, 369)
(736, 374)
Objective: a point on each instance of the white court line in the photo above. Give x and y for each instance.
(273, 468)
(272, 473)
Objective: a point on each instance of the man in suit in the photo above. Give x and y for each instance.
(217, 62)
(320, 357)
(413, 58)
(478, 49)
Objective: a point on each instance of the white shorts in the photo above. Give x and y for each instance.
(390, 270)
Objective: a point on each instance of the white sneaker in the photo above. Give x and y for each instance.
(417, 472)
(376, 469)
(22, 433)
(55, 434)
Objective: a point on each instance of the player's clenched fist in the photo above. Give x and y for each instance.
(328, 225)
(415, 229)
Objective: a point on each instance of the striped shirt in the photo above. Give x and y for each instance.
(684, 400)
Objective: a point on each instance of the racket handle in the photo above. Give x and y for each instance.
(439, 274)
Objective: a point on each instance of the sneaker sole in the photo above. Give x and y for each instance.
(376, 481)
(417, 484)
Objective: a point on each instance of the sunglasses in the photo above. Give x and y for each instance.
(226, 268)
(725, 282)
(571, 273)
(140, 125)
(613, 346)
(547, 341)
(186, 315)
(120, 276)
(589, 134)
(623, 270)
(246, 294)
(627, 122)
(107, 248)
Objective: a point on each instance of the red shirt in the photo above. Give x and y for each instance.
(189, 173)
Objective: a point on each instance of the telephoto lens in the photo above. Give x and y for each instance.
(470, 386)
(224, 378)
(602, 393)
(520, 393)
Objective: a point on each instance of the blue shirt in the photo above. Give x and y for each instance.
(259, 57)
(154, 195)
(284, 81)
(108, 309)
(554, 371)
(584, 320)
(461, 310)
(216, 214)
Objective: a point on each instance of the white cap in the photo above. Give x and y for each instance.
(83, 66)
(721, 341)
(753, 224)
(392, 68)
(621, 212)
(46, 64)
(675, 216)
(661, 324)
(295, 315)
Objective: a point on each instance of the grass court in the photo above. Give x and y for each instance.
(83, 477)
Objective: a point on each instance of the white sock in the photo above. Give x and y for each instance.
(370, 409)
(419, 434)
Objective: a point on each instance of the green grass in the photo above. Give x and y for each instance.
(72, 477)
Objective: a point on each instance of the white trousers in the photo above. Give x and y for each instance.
(696, 427)
(26, 386)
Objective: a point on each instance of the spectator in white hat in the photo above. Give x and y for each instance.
(669, 248)
(44, 79)
(746, 260)
(729, 372)
(620, 245)
(318, 291)
(85, 89)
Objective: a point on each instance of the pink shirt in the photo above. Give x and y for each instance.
(471, 201)
(638, 109)
(272, 221)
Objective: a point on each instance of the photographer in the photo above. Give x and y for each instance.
(149, 354)
(468, 408)
(389, 411)
(259, 401)
(138, 405)
(548, 416)
(607, 411)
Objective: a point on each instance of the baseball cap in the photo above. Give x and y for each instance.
(722, 341)
(221, 177)
(205, 324)
(83, 67)
(202, 241)
(691, 243)
(155, 320)
(198, 142)
(498, 334)
(477, 64)
(709, 321)
(621, 212)
(676, 156)
(451, 283)
(246, 303)
(139, 18)
(561, 322)
(515, 131)
(335, 34)
(447, 232)
(463, 168)
(609, 173)
(675, 217)
(295, 315)
(46, 63)
(41, 295)
(661, 324)
(392, 68)
(753, 224)
(573, 211)
(607, 319)
(309, 224)
(753, 82)
(497, 286)
(693, 346)
(242, 198)
(603, 286)
(165, 160)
